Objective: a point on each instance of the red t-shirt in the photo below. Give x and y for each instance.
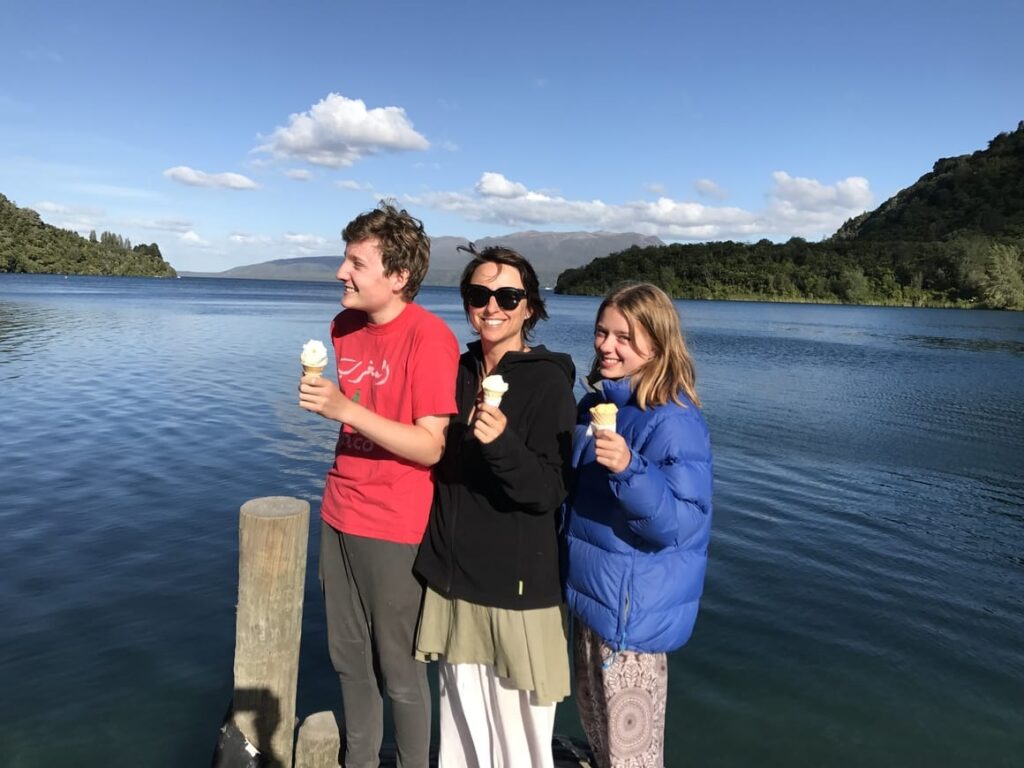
(401, 370)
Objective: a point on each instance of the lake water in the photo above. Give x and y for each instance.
(865, 595)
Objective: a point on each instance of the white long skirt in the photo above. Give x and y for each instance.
(487, 723)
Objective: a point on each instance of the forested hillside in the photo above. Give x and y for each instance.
(954, 238)
(977, 194)
(27, 244)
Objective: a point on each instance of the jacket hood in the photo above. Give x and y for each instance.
(536, 355)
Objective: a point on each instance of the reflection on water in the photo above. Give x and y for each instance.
(971, 345)
(864, 603)
(23, 325)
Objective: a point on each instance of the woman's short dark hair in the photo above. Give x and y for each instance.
(499, 254)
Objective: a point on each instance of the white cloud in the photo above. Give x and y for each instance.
(796, 207)
(656, 187)
(47, 206)
(495, 185)
(305, 240)
(179, 226)
(192, 239)
(194, 178)
(708, 188)
(299, 174)
(243, 238)
(355, 186)
(337, 132)
(812, 195)
(77, 218)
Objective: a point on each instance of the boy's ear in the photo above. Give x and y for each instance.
(399, 279)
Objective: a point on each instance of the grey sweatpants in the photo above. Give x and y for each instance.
(373, 603)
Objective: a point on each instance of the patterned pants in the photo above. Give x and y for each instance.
(621, 699)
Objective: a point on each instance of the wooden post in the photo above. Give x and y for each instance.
(319, 743)
(272, 542)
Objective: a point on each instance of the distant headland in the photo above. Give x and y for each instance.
(955, 238)
(28, 244)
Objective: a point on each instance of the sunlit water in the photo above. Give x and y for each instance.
(865, 597)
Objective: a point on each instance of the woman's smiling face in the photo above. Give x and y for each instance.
(495, 325)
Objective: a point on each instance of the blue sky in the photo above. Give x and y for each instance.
(237, 132)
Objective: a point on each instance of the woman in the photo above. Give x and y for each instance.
(636, 526)
(493, 611)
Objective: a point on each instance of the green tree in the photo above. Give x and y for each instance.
(1003, 283)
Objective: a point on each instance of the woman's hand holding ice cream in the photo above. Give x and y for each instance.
(488, 423)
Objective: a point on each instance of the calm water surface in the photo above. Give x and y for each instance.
(865, 597)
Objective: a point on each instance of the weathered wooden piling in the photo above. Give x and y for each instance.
(319, 742)
(272, 542)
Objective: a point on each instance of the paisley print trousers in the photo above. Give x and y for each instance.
(621, 699)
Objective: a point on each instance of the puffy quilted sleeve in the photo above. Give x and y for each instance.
(666, 489)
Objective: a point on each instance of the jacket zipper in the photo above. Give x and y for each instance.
(626, 605)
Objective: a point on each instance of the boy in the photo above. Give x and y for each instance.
(396, 390)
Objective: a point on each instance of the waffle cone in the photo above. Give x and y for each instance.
(312, 370)
(602, 416)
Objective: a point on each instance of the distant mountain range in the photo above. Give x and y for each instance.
(550, 253)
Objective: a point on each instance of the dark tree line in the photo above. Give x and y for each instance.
(964, 272)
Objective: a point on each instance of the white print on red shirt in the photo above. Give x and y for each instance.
(379, 376)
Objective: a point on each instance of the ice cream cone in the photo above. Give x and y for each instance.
(494, 387)
(312, 370)
(602, 416)
(313, 358)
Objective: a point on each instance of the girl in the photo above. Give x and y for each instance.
(636, 526)
(493, 611)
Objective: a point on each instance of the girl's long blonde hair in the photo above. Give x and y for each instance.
(670, 368)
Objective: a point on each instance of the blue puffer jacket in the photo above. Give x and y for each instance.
(637, 540)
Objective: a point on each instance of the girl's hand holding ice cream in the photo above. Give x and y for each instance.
(611, 450)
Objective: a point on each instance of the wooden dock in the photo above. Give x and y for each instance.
(259, 730)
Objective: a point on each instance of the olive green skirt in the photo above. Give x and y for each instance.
(528, 648)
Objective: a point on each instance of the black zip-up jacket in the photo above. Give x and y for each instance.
(492, 538)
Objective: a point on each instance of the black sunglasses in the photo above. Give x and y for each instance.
(508, 298)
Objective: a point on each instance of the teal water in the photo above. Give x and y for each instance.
(865, 597)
